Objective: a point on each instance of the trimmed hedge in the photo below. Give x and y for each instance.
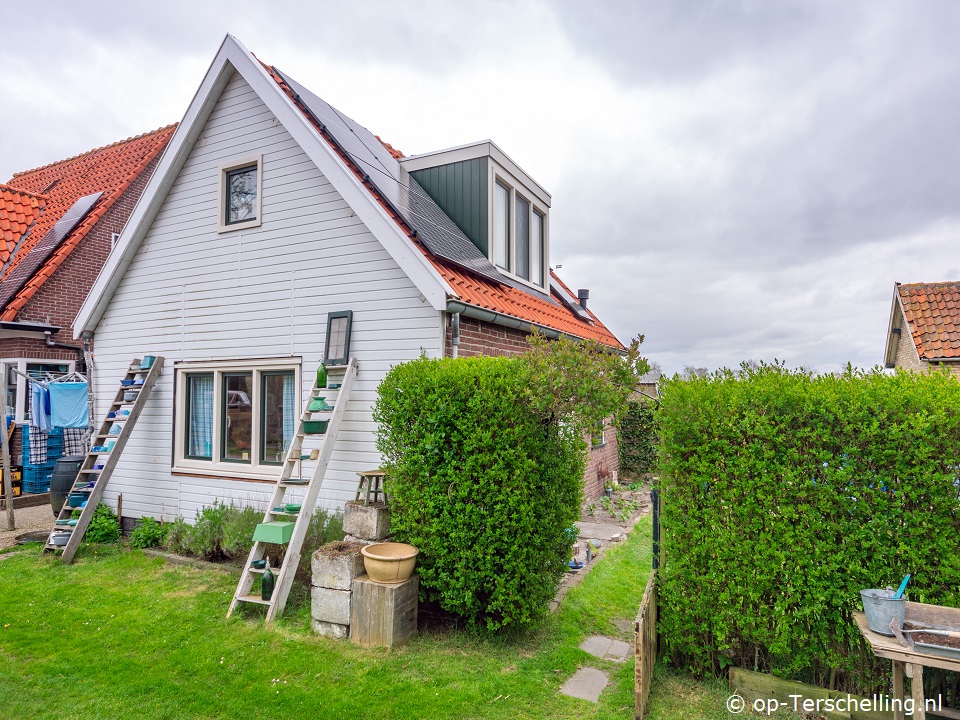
(784, 495)
(637, 439)
(482, 485)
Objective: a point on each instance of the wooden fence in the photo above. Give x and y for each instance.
(645, 633)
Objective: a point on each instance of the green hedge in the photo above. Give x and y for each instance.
(637, 439)
(786, 494)
(482, 485)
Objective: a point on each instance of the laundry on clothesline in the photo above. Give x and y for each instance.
(68, 404)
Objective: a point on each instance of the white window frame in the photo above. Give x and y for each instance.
(256, 469)
(514, 188)
(22, 383)
(236, 164)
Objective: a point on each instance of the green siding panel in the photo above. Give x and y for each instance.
(460, 189)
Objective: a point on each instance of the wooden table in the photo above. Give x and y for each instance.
(912, 662)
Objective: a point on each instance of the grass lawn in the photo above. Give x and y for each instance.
(121, 635)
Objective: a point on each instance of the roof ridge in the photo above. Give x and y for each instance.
(11, 188)
(95, 150)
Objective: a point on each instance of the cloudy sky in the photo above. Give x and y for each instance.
(734, 180)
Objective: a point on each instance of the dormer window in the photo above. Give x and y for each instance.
(517, 237)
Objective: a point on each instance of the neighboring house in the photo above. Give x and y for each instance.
(57, 224)
(924, 328)
(271, 218)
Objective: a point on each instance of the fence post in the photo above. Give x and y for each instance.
(655, 500)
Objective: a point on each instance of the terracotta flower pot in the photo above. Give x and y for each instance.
(389, 563)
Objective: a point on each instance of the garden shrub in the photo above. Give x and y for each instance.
(239, 525)
(149, 533)
(481, 485)
(637, 438)
(104, 526)
(785, 494)
(206, 536)
(178, 537)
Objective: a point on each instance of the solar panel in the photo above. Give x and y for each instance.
(433, 226)
(571, 302)
(39, 253)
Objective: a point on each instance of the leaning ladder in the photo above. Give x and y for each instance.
(91, 480)
(311, 486)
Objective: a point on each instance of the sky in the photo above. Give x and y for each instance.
(733, 180)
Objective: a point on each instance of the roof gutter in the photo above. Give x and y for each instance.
(495, 318)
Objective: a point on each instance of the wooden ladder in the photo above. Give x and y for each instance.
(276, 516)
(91, 480)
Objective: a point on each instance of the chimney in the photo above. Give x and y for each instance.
(583, 295)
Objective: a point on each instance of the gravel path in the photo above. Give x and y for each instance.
(26, 519)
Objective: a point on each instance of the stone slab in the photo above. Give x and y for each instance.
(362, 541)
(331, 606)
(330, 630)
(371, 522)
(336, 571)
(619, 651)
(606, 648)
(599, 531)
(587, 684)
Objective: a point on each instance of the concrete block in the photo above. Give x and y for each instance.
(330, 630)
(383, 615)
(332, 606)
(335, 565)
(587, 684)
(362, 541)
(370, 522)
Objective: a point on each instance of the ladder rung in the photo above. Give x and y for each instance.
(253, 599)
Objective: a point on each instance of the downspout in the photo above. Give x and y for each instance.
(455, 332)
(81, 361)
(88, 358)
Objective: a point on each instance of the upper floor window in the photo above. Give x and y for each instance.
(240, 194)
(518, 237)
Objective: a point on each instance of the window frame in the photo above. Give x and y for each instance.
(21, 385)
(256, 468)
(223, 196)
(516, 190)
(345, 358)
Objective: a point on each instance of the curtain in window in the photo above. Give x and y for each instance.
(289, 408)
(200, 422)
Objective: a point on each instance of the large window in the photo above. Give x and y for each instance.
(240, 194)
(518, 239)
(236, 418)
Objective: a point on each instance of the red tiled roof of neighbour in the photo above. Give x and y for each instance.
(18, 212)
(110, 169)
(471, 288)
(932, 311)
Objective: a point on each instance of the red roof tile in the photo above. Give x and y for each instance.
(110, 169)
(471, 288)
(931, 312)
(18, 212)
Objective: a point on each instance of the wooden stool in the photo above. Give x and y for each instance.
(371, 483)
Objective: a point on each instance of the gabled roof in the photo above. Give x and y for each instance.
(18, 211)
(109, 170)
(931, 312)
(428, 246)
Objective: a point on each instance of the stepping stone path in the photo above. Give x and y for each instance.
(606, 648)
(587, 683)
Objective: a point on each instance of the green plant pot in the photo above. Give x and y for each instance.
(315, 427)
(277, 532)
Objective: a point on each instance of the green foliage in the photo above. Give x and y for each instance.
(637, 439)
(149, 533)
(580, 382)
(481, 484)
(206, 535)
(178, 537)
(785, 494)
(104, 526)
(238, 527)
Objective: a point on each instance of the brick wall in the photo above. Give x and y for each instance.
(482, 338)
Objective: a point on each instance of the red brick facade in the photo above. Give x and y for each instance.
(483, 338)
(58, 300)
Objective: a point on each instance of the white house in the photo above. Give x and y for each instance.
(269, 216)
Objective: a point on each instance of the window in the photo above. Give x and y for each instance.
(236, 418)
(501, 226)
(518, 239)
(18, 389)
(337, 351)
(240, 196)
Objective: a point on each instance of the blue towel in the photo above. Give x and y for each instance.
(40, 408)
(68, 404)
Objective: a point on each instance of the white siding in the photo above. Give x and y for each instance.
(195, 294)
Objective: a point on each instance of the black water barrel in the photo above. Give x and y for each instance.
(61, 482)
